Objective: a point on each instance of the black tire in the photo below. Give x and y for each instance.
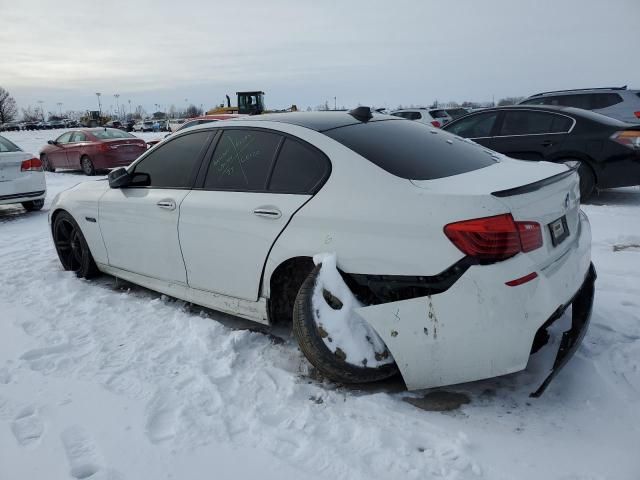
(310, 341)
(46, 165)
(72, 248)
(87, 166)
(33, 205)
(587, 180)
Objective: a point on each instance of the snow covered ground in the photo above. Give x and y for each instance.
(104, 380)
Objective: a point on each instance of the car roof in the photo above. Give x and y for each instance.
(581, 91)
(576, 112)
(319, 121)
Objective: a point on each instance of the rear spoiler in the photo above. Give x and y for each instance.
(532, 187)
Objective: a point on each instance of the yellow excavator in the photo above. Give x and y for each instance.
(249, 103)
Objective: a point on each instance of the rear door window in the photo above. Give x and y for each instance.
(242, 160)
(410, 150)
(475, 126)
(525, 122)
(299, 169)
(173, 163)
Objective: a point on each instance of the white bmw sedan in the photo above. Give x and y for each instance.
(389, 245)
(21, 177)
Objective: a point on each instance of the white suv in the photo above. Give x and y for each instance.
(421, 115)
(21, 177)
(617, 102)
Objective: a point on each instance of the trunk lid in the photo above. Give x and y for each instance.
(541, 192)
(10, 163)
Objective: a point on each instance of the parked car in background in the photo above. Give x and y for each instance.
(469, 255)
(57, 124)
(21, 177)
(192, 122)
(619, 102)
(91, 149)
(114, 124)
(421, 115)
(445, 115)
(10, 127)
(606, 151)
(143, 126)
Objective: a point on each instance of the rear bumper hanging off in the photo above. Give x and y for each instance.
(582, 305)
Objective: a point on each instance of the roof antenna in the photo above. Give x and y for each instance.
(361, 113)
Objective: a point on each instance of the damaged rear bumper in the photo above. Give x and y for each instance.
(581, 308)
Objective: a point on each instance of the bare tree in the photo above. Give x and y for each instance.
(193, 111)
(8, 109)
(30, 114)
(139, 112)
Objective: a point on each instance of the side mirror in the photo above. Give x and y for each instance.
(52, 142)
(119, 178)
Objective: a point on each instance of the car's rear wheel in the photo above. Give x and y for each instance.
(33, 205)
(310, 334)
(46, 164)
(87, 166)
(72, 247)
(587, 179)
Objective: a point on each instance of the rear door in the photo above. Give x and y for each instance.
(531, 135)
(245, 200)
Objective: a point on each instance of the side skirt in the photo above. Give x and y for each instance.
(255, 311)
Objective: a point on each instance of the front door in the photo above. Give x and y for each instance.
(139, 223)
(247, 197)
(57, 156)
(77, 142)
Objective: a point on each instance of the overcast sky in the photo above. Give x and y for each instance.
(381, 53)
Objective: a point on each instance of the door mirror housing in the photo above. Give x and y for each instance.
(119, 178)
(52, 142)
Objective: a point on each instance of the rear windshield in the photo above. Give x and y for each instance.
(456, 112)
(410, 149)
(7, 146)
(438, 113)
(109, 134)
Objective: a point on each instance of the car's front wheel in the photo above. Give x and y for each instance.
(46, 164)
(33, 205)
(72, 247)
(87, 166)
(340, 345)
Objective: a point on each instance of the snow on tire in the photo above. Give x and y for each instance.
(338, 342)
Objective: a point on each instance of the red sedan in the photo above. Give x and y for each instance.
(91, 149)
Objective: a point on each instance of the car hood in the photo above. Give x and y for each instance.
(505, 174)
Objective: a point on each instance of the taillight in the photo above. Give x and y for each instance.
(31, 165)
(637, 114)
(628, 138)
(492, 239)
(436, 124)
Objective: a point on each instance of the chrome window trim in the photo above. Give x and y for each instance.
(532, 134)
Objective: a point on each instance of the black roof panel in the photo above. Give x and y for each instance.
(320, 121)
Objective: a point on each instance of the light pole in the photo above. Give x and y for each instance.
(117, 95)
(129, 107)
(59, 108)
(99, 104)
(41, 109)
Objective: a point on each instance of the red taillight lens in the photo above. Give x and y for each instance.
(436, 124)
(637, 114)
(628, 138)
(492, 239)
(530, 235)
(31, 165)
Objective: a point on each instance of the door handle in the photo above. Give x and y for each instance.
(167, 204)
(267, 212)
(547, 143)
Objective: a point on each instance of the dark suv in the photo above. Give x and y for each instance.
(617, 102)
(606, 150)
